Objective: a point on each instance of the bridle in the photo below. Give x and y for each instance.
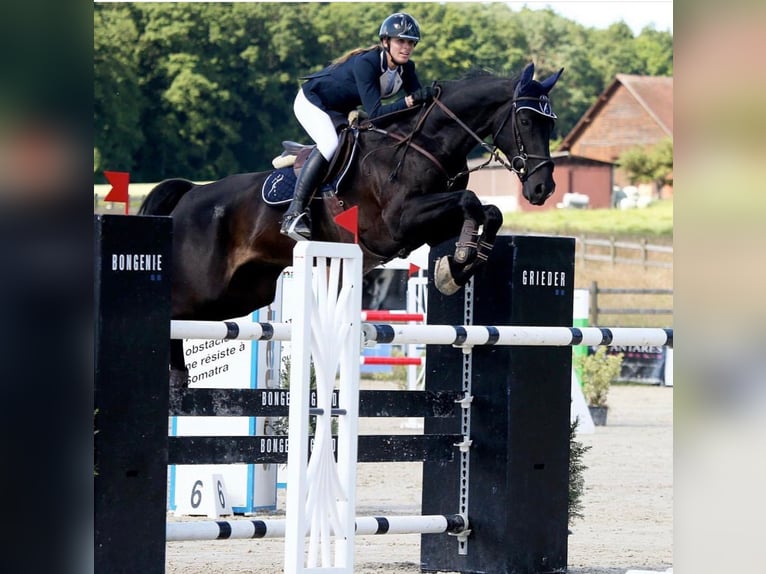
(518, 163)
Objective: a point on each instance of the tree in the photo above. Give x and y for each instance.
(613, 52)
(118, 101)
(655, 51)
(202, 90)
(649, 165)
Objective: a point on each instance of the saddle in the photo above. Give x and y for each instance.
(280, 184)
(295, 154)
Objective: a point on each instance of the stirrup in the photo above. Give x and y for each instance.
(297, 227)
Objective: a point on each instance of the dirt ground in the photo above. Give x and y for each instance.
(628, 502)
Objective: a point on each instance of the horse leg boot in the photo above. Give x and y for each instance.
(465, 248)
(296, 222)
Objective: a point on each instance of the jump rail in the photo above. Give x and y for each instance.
(367, 525)
(457, 335)
(470, 335)
(391, 316)
(395, 361)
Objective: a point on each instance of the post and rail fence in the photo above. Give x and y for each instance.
(596, 311)
(614, 251)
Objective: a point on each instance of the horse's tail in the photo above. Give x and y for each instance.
(163, 198)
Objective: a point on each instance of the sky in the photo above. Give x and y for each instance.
(601, 13)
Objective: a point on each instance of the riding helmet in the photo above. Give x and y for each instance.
(400, 25)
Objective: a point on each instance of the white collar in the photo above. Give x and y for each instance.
(384, 64)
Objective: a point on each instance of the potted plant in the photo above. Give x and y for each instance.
(598, 370)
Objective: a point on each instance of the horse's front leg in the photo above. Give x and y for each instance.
(471, 252)
(493, 221)
(437, 217)
(467, 242)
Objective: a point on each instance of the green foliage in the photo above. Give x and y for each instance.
(577, 452)
(201, 90)
(281, 425)
(598, 371)
(118, 98)
(649, 165)
(655, 49)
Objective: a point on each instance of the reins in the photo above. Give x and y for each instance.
(518, 164)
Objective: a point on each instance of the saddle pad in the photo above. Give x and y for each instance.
(279, 186)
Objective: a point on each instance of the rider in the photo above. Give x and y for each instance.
(362, 76)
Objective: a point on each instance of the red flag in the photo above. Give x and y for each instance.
(349, 220)
(119, 191)
(413, 270)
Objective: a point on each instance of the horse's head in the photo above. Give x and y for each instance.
(523, 134)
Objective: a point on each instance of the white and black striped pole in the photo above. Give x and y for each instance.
(364, 526)
(473, 335)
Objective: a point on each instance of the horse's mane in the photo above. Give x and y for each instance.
(478, 78)
(474, 74)
(477, 73)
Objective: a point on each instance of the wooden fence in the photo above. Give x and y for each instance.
(626, 252)
(596, 310)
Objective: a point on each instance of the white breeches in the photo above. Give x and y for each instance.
(317, 124)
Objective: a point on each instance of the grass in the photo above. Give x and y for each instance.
(654, 222)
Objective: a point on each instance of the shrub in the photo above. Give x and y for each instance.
(598, 371)
(281, 425)
(577, 451)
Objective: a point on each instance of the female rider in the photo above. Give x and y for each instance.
(362, 76)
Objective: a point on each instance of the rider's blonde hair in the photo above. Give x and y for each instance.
(344, 57)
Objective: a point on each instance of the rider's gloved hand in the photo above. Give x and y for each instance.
(422, 95)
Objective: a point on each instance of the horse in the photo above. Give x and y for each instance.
(406, 175)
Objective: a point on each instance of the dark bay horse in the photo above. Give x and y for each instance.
(407, 176)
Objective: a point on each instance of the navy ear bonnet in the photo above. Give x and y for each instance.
(532, 95)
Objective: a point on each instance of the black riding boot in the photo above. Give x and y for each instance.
(296, 221)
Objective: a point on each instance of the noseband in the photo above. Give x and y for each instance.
(518, 163)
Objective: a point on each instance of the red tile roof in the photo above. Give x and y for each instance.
(654, 94)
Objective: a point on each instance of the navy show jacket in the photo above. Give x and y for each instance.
(340, 88)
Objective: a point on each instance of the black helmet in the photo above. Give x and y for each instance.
(400, 25)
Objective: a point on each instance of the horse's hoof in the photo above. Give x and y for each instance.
(179, 379)
(443, 278)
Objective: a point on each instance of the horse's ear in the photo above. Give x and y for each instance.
(527, 74)
(548, 82)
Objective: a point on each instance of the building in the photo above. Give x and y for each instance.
(632, 111)
(577, 179)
